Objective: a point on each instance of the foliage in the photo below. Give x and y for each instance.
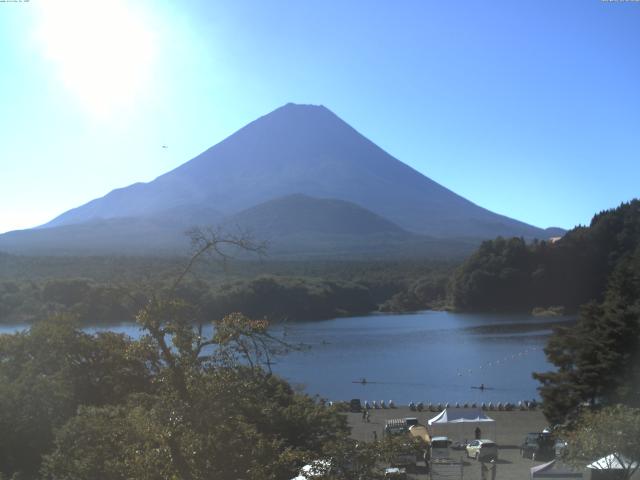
(594, 270)
(106, 290)
(511, 275)
(611, 431)
(278, 298)
(215, 411)
(175, 404)
(48, 372)
(598, 359)
(427, 292)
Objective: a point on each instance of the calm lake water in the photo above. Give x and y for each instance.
(426, 356)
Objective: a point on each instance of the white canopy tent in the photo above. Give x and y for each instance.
(612, 467)
(460, 415)
(464, 420)
(613, 462)
(554, 470)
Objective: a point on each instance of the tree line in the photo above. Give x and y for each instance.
(292, 292)
(274, 298)
(513, 275)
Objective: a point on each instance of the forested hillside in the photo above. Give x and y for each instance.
(592, 270)
(598, 360)
(511, 275)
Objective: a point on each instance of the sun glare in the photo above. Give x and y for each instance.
(102, 50)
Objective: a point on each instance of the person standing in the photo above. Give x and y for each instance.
(478, 433)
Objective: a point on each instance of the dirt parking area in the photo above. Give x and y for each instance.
(508, 431)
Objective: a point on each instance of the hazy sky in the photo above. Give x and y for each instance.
(528, 108)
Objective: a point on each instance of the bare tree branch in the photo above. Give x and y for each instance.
(215, 241)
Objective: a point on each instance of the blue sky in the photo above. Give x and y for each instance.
(528, 108)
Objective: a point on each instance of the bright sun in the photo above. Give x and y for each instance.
(102, 51)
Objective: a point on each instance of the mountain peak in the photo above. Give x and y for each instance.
(299, 112)
(303, 107)
(302, 148)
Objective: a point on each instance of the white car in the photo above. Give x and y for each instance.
(483, 450)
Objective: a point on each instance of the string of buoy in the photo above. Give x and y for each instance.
(438, 407)
(498, 362)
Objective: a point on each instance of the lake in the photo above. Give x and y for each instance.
(426, 356)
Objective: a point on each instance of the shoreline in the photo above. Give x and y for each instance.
(510, 426)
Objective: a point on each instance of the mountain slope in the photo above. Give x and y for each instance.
(293, 226)
(303, 149)
(295, 214)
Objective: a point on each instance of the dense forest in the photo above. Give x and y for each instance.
(511, 275)
(113, 289)
(598, 359)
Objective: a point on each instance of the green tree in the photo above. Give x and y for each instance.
(610, 433)
(215, 409)
(511, 275)
(597, 360)
(216, 412)
(46, 373)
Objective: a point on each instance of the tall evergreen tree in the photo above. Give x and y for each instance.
(598, 359)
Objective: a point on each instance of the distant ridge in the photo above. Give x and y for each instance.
(296, 149)
(292, 214)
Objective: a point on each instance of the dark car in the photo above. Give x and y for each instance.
(355, 405)
(538, 444)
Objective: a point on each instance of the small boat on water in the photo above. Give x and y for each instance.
(482, 387)
(363, 381)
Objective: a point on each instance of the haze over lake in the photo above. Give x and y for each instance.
(426, 356)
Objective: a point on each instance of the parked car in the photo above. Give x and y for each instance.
(355, 405)
(482, 449)
(396, 426)
(410, 421)
(439, 448)
(560, 447)
(540, 444)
